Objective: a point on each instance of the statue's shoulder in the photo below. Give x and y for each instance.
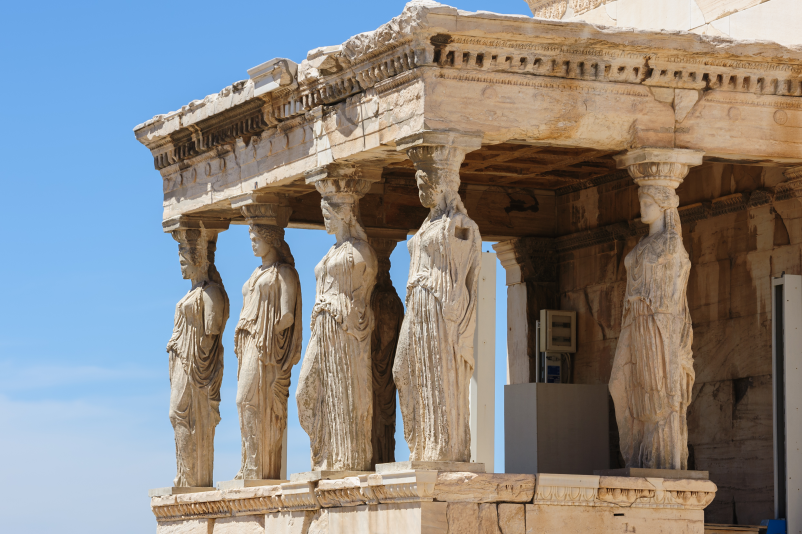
(287, 272)
(215, 293)
(364, 249)
(463, 220)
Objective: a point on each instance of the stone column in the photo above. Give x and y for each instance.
(196, 351)
(388, 311)
(532, 285)
(652, 376)
(434, 362)
(335, 388)
(267, 341)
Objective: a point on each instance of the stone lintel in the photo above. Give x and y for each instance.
(446, 138)
(193, 222)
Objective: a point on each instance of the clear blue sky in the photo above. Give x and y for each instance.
(90, 280)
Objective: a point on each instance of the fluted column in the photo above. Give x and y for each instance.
(652, 377)
(335, 389)
(196, 350)
(434, 362)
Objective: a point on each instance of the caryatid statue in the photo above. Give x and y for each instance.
(388, 311)
(335, 389)
(196, 356)
(652, 377)
(434, 361)
(267, 342)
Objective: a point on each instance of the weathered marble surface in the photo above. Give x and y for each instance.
(652, 377)
(335, 388)
(434, 362)
(196, 358)
(760, 20)
(268, 344)
(388, 311)
(402, 503)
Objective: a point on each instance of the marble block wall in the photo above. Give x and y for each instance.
(740, 230)
(762, 20)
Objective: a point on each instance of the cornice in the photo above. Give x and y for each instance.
(487, 48)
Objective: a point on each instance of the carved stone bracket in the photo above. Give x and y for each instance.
(659, 166)
(343, 182)
(189, 222)
(264, 208)
(439, 153)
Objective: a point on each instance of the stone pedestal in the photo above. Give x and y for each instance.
(654, 473)
(314, 476)
(467, 467)
(240, 484)
(444, 502)
(175, 490)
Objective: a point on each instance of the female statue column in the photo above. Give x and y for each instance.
(267, 342)
(196, 358)
(434, 362)
(335, 389)
(652, 376)
(388, 310)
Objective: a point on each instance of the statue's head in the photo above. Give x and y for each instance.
(340, 206)
(268, 237)
(655, 200)
(265, 238)
(193, 253)
(336, 216)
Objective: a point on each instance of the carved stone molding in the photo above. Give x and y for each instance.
(343, 182)
(555, 9)
(405, 486)
(264, 208)
(428, 485)
(659, 166)
(189, 222)
(342, 492)
(439, 153)
(297, 496)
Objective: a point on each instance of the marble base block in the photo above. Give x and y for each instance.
(312, 476)
(239, 484)
(654, 473)
(174, 490)
(445, 502)
(548, 519)
(464, 467)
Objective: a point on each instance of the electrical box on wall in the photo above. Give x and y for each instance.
(557, 331)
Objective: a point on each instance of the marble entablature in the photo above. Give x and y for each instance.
(506, 77)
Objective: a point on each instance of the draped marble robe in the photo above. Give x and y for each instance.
(266, 359)
(652, 376)
(196, 373)
(388, 311)
(335, 388)
(434, 361)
